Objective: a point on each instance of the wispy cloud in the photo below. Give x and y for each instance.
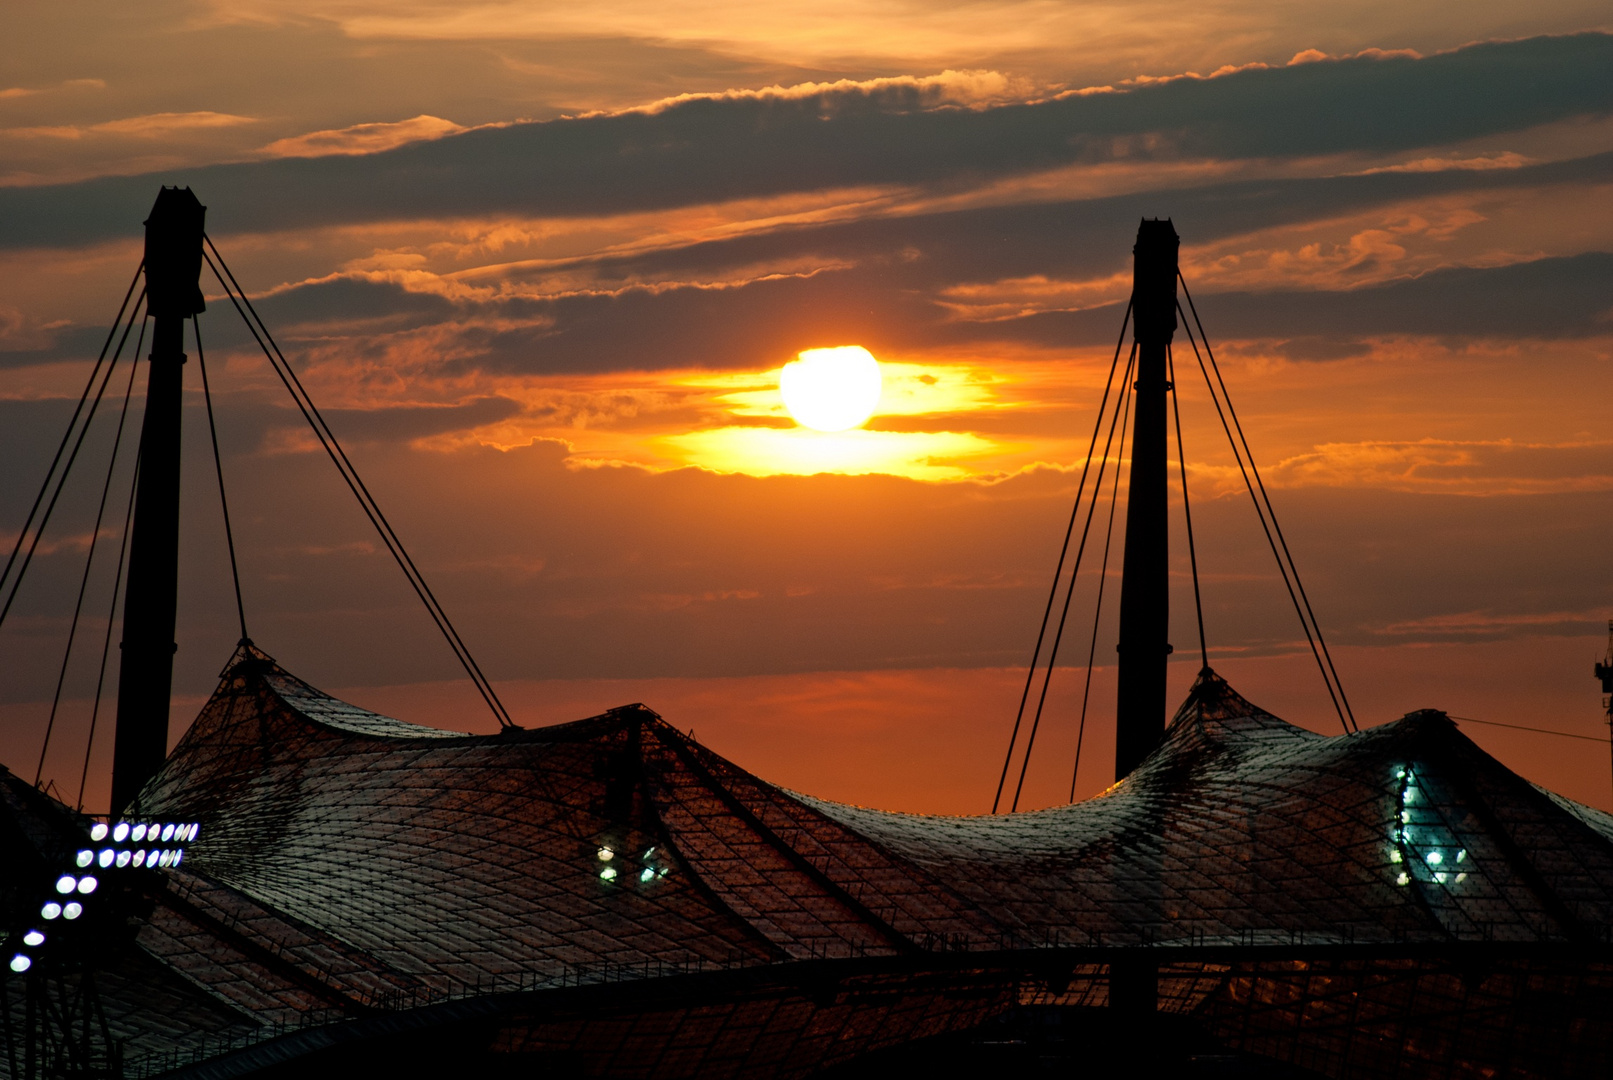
(1487, 467)
(363, 138)
(976, 89)
(150, 126)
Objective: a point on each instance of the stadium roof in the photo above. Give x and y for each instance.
(350, 865)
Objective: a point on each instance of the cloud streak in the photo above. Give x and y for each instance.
(710, 148)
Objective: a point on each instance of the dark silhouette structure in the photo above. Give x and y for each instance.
(610, 898)
(1145, 585)
(173, 266)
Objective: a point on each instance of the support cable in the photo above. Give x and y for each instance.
(1187, 510)
(68, 434)
(218, 467)
(1255, 468)
(89, 558)
(1103, 578)
(1075, 573)
(355, 483)
(1271, 541)
(111, 621)
(67, 467)
(1058, 571)
(1535, 730)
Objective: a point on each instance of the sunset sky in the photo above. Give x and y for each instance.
(541, 265)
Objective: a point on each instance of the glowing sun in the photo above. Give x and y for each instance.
(831, 389)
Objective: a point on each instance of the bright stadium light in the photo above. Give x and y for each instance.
(73, 910)
(33, 939)
(51, 910)
(21, 963)
(66, 883)
(121, 833)
(106, 857)
(138, 834)
(86, 885)
(123, 858)
(85, 857)
(608, 874)
(98, 831)
(606, 854)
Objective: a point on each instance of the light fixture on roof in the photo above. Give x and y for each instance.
(137, 834)
(21, 963)
(51, 910)
(608, 874)
(85, 857)
(1425, 851)
(98, 831)
(121, 833)
(606, 854)
(72, 910)
(33, 938)
(66, 883)
(86, 884)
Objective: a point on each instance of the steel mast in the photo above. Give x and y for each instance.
(1145, 585)
(173, 266)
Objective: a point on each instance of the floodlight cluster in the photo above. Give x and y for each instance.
(130, 844)
(1423, 847)
(650, 868)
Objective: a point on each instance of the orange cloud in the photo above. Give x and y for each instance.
(975, 89)
(151, 126)
(363, 138)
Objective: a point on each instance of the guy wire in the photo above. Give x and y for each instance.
(95, 536)
(1075, 573)
(355, 483)
(1058, 570)
(1261, 512)
(1187, 510)
(61, 481)
(68, 434)
(1103, 578)
(218, 467)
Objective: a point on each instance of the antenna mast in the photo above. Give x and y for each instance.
(173, 267)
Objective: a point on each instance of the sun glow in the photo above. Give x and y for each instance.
(938, 418)
(832, 389)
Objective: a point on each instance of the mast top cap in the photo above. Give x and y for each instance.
(1153, 295)
(174, 254)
